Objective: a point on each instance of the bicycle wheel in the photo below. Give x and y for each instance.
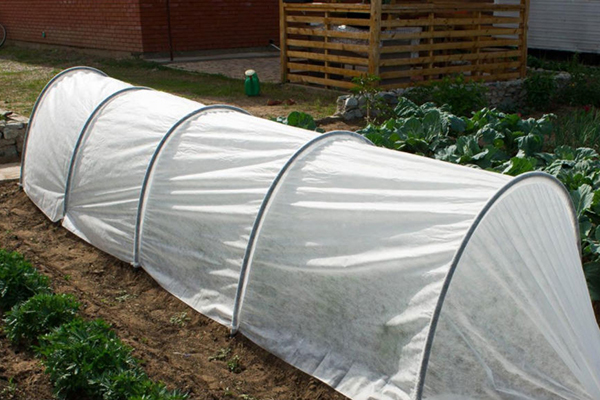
(2, 35)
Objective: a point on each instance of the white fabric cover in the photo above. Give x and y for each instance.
(329, 252)
(65, 107)
(523, 268)
(209, 182)
(351, 258)
(111, 163)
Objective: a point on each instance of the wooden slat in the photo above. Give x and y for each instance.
(443, 7)
(328, 33)
(451, 57)
(449, 34)
(359, 48)
(485, 78)
(398, 23)
(325, 21)
(449, 46)
(325, 69)
(320, 81)
(321, 57)
(449, 70)
(331, 7)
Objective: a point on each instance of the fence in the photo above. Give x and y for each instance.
(328, 44)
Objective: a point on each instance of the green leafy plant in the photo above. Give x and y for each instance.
(416, 129)
(234, 364)
(79, 355)
(180, 319)
(300, 120)
(39, 315)
(19, 280)
(221, 355)
(508, 144)
(134, 384)
(540, 88)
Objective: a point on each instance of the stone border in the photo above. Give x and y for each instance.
(499, 95)
(12, 135)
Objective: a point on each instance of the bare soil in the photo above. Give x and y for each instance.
(174, 342)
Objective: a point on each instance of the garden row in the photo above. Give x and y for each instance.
(84, 359)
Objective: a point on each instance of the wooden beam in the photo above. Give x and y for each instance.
(450, 70)
(450, 46)
(324, 69)
(374, 40)
(524, 27)
(398, 23)
(282, 41)
(330, 46)
(321, 57)
(452, 57)
(449, 34)
(320, 81)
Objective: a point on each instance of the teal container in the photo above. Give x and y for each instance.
(251, 84)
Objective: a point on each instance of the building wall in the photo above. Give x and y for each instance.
(209, 24)
(96, 24)
(572, 25)
(140, 26)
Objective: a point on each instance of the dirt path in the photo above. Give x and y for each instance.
(174, 342)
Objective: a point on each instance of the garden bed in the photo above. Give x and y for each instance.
(174, 342)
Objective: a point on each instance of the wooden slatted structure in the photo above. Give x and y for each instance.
(405, 43)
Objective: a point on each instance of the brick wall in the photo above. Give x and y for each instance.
(209, 24)
(141, 25)
(97, 24)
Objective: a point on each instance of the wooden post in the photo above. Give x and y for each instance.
(476, 71)
(375, 37)
(283, 41)
(524, 25)
(430, 29)
(327, 27)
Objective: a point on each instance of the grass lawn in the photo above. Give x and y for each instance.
(25, 71)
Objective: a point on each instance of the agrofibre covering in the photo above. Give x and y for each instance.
(385, 275)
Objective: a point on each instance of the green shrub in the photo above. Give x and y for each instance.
(583, 87)
(463, 97)
(541, 90)
(39, 315)
(80, 355)
(19, 280)
(419, 94)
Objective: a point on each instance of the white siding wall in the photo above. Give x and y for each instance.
(570, 25)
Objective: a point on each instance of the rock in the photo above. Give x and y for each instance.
(354, 114)
(8, 154)
(13, 129)
(351, 102)
(388, 97)
(7, 142)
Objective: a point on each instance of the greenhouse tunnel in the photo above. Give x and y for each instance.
(383, 274)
